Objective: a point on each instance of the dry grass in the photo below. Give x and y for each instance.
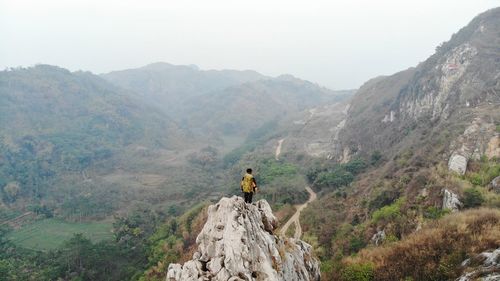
(436, 251)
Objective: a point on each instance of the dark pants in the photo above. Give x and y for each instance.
(248, 197)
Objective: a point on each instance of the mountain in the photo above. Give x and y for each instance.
(170, 85)
(410, 149)
(456, 87)
(436, 100)
(238, 243)
(238, 110)
(406, 170)
(222, 103)
(62, 128)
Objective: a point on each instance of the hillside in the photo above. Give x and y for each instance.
(442, 95)
(61, 131)
(403, 174)
(169, 85)
(240, 109)
(411, 148)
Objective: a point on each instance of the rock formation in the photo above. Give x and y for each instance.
(450, 201)
(495, 184)
(478, 139)
(488, 268)
(378, 237)
(238, 243)
(457, 163)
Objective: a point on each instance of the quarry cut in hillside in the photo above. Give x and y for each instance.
(238, 243)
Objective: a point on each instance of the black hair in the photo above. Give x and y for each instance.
(249, 170)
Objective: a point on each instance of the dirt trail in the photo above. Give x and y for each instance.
(296, 217)
(278, 149)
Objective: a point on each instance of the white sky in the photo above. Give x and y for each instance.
(339, 44)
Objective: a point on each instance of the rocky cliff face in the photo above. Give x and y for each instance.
(238, 243)
(450, 98)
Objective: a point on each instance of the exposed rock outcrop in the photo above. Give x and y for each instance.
(237, 243)
(450, 201)
(378, 237)
(487, 267)
(478, 139)
(449, 70)
(457, 87)
(458, 163)
(495, 184)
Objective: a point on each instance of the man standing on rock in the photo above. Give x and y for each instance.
(248, 186)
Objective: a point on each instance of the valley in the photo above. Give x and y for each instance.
(110, 176)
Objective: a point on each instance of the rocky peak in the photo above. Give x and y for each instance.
(450, 90)
(238, 243)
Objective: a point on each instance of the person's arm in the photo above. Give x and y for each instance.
(241, 183)
(254, 185)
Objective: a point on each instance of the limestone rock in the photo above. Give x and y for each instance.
(237, 243)
(488, 270)
(378, 237)
(457, 163)
(478, 139)
(450, 201)
(495, 184)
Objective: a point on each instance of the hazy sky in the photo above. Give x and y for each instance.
(339, 44)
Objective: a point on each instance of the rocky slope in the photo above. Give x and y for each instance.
(453, 95)
(429, 137)
(449, 101)
(238, 243)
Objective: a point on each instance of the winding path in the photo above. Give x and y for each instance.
(296, 217)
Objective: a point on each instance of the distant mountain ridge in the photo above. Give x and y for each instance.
(171, 84)
(222, 101)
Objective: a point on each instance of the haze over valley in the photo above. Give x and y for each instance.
(134, 173)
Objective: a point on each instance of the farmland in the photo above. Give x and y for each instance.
(49, 234)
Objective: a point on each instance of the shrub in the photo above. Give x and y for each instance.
(375, 157)
(355, 166)
(390, 212)
(334, 179)
(358, 272)
(356, 243)
(473, 198)
(476, 179)
(435, 213)
(384, 198)
(270, 170)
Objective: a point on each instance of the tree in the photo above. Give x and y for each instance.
(473, 198)
(375, 157)
(12, 190)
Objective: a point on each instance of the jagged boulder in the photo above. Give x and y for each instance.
(378, 237)
(487, 269)
(451, 201)
(495, 184)
(238, 243)
(457, 163)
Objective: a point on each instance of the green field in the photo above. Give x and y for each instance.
(51, 233)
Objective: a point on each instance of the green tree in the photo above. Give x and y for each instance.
(358, 272)
(473, 198)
